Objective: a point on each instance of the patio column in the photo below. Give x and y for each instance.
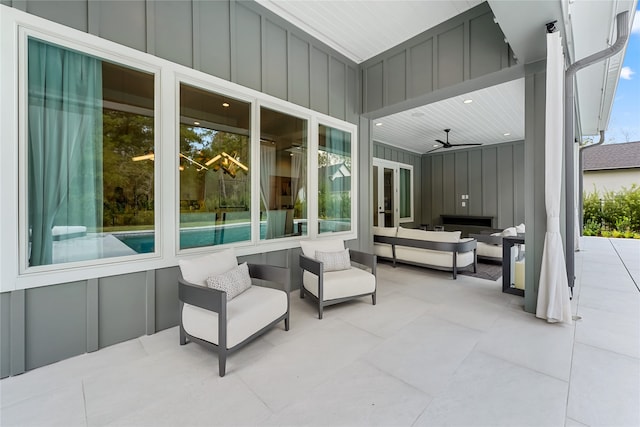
(534, 174)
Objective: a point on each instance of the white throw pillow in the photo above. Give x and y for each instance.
(309, 247)
(233, 282)
(197, 270)
(334, 261)
(520, 228)
(511, 231)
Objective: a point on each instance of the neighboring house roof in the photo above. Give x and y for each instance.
(612, 156)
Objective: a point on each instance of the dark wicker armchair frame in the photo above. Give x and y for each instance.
(216, 301)
(316, 267)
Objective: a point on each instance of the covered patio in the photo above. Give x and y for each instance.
(436, 352)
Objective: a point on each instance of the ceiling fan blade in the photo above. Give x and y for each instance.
(464, 145)
(430, 151)
(441, 142)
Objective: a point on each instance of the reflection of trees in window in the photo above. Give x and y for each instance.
(128, 185)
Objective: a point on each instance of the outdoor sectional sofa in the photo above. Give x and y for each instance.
(441, 250)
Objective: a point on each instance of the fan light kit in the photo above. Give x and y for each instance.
(468, 101)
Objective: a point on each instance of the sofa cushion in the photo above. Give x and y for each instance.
(341, 284)
(309, 247)
(385, 231)
(197, 270)
(520, 229)
(246, 314)
(233, 282)
(489, 250)
(432, 257)
(334, 261)
(433, 236)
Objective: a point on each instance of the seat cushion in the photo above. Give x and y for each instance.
(487, 250)
(434, 258)
(247, 313)
(383, 250)
(341, 284)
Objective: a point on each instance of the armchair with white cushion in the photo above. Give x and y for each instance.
(329, 277)
(220, 306)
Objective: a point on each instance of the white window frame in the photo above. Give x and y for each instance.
(15, 26)
(396, 166)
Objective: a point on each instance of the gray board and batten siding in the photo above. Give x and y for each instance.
(461, 49)
(237, 41)
(241, 42)
(492, 176)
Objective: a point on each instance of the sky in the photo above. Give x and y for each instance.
(624, 123)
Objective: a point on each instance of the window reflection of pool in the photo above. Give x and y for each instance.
(197, 237)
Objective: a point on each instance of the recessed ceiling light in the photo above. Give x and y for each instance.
(225, 104)
(506, 134)
(468, 101)
(196, 123)
(436, 145)
(379, 124)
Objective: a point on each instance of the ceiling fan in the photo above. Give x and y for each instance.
(447, 144)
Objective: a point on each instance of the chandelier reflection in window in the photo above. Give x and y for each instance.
(229, 163)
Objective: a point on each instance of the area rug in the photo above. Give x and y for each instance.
(486, 271)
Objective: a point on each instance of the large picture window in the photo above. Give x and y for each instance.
(215, 169)
(283, 175)
(88, 122)
(334, 180)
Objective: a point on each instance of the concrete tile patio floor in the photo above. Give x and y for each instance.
(432, 352)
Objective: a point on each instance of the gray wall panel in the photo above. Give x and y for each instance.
(5, 334)
(421, 68)
(518, 183)
(490, 183)
(171, 41)
(475, 182)
(505, 186)
(352, 104)
(122, 308)
(451, 57)
(396, 78)
(70, 13)
(248, 54)
(274, 61)
(55, 323)
(299, 75)
(487, 174)
(119, 21)
(438, 58)
(319, 81)
(448, 183)
(373, 76)
(166, 303)
(437, 189)
(486, 47)
(212, 41)
(461, 182)
(337, 89)
(426, 189)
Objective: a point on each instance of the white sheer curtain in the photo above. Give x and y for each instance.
(553, 291)
(267, 170)
(298, 166)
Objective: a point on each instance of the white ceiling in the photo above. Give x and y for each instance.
(361, 29)
(494, 111)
